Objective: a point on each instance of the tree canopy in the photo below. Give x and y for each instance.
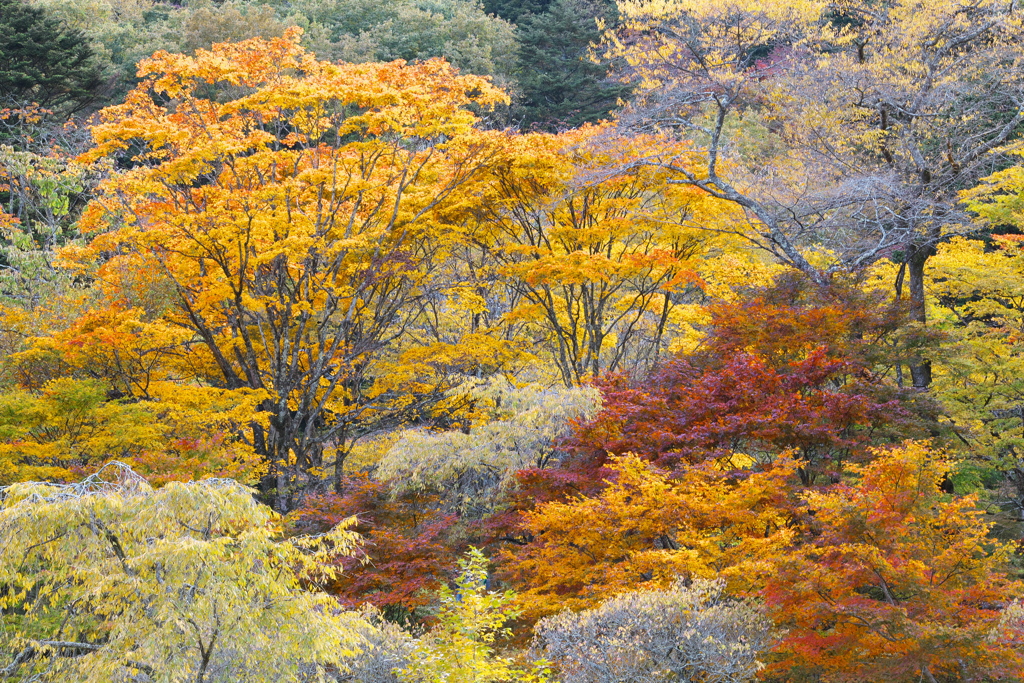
(673, 340)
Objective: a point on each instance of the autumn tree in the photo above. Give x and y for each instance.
(598, 259)
(407, 555)
(974, 287)
(421, 503)
(896, 581)
(475, 468)
(109, 579)
(461, 648)
(850, 127)
(647, 527)
(293, 209)
(72, 426)
(792, 366)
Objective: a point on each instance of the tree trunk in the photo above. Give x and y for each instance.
(920, 368)
(281, 494)
(341, 452)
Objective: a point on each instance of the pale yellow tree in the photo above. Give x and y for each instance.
(110, 580)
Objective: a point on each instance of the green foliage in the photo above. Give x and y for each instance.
(202, 24)
(42, 61)
(515, 10)
(118, 32)
(384, 30)
(41, 194)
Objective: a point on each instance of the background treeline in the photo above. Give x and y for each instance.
(316, 365)
(81, 56)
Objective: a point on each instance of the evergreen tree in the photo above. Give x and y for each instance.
(515, 10)
(560, 85)
(43, 61)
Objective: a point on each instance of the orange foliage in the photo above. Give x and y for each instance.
(645, 529)
(897, 581)
(286, 217)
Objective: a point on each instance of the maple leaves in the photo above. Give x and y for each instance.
(896, 581)
(791, 367)
(645, 528)
(407, 548)
(875, 571)
(687, 414)
(288, 256)
(597, 250)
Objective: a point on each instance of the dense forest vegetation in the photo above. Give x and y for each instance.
(427, 341)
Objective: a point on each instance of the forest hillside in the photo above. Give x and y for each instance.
(425, 341)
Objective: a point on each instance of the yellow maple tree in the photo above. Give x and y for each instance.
(294, 211)
(599, 256)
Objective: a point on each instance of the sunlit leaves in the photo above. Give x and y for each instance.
(647, 527)
(295, 209)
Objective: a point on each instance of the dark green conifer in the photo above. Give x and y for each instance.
(515, 10)
(560, 85)
(43, 61)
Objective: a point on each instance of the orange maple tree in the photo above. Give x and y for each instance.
(646, 528)
(897, 581)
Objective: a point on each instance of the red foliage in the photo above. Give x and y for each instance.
(896, 581)
(687, 414)
(793, 367)
(794, 317)
(406, 555)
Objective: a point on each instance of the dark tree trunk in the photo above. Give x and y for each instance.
(920, 368)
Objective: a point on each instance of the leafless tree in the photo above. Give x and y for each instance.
(686, 633)
(850, 127)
